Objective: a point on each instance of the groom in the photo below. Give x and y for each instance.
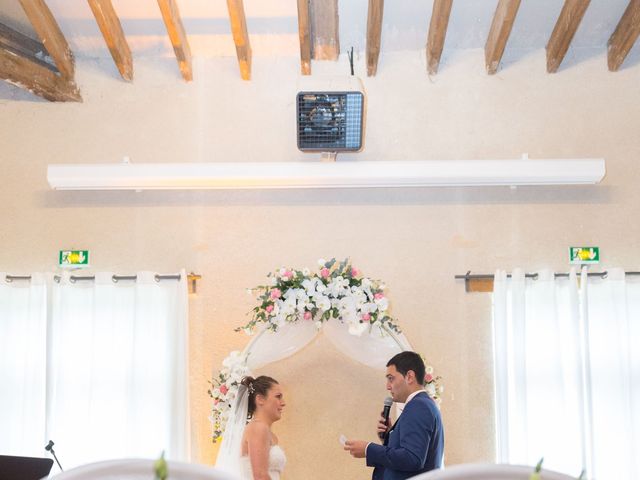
(415, 443)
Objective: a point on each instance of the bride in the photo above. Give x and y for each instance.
(251, 449)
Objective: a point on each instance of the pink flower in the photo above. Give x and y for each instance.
(378, 296)
(308, 315)
(366, 317)
(324, 272)
(269, 308)
(224, 389)
(428, 378)
(354, 272)
(288, 274)
(275, 293)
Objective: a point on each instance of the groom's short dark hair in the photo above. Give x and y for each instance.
(405, 361)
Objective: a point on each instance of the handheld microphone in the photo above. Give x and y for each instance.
(386, 410)
(49, 448)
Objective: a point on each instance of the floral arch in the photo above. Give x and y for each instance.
(294, 307)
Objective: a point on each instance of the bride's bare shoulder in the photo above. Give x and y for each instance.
(257, 429)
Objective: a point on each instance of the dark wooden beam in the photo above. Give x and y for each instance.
(15, 42)
(50, 34)
(324, 29)
(113, 34)
(40, 80)
(238, 22)
(501, 27)
(624, 36)
(304, 32)
(437, 33)
(178, 36)
(563, 32)
(374, 32)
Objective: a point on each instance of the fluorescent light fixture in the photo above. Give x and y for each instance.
(340, 174)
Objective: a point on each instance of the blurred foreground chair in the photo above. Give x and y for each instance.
(141, 469)
(486, 471)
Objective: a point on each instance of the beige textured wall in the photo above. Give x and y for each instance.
(414, 240)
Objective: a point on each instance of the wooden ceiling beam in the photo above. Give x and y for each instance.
(178, 36)
(501, 26)
(437, 33)
(15, 42)
(51, 36)
(624, 36)
(238, 22)
(113, 34)
(324, 29)
(36, 78)
(568, 22)
(304, 32)
(374, 34)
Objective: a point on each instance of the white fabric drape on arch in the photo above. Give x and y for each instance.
(97, 366)
(23, 353)
(564, 370)
(373, 348)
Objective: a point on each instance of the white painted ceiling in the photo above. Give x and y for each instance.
(273, 27)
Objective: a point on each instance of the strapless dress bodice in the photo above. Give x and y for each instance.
(277, 461)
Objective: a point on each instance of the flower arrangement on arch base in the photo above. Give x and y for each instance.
(336, 291)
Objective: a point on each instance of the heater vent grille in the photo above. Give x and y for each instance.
(330, 121)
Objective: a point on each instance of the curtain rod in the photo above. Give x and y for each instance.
(192, 278)
(483, 282)
(490, 276)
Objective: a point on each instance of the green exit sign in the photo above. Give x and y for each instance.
(74, 258)
(584, 255)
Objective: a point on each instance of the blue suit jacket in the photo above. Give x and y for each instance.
(415, 444)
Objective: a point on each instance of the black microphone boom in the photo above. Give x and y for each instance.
(49, 448)
(386, 410)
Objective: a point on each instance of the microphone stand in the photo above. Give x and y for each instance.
(49, 448)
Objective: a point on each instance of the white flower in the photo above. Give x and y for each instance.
(249, 291)
(383, 304)
(306, 272)
(273, 281)
(428, 369)
(318, 324)
(321, 262)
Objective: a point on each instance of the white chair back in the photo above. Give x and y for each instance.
(141, 469)
(481, 471)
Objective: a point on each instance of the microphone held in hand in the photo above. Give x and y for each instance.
(386, 410)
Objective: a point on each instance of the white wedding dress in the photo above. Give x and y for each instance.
(277, 461)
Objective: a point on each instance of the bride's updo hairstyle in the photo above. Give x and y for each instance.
(257, 386)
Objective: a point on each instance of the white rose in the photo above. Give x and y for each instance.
(306, 272)
(321, 262)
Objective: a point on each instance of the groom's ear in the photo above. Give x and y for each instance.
(411, 376)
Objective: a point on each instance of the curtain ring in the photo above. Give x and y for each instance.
(72, 279)
(604, 274)
(535, 276)
(56, 278)
(157, 277)
(8, 279)
(114, 279)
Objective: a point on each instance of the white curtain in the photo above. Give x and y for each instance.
(564, 368)
(23, 349)
(116, 369)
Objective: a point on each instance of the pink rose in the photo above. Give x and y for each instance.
(378, 295)
(307, 315)
(269, 308)
(288, 274)
(224, 389)
(428, 378)
(355, 272)
(275, 293)
(324, 272)
(366, 317)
